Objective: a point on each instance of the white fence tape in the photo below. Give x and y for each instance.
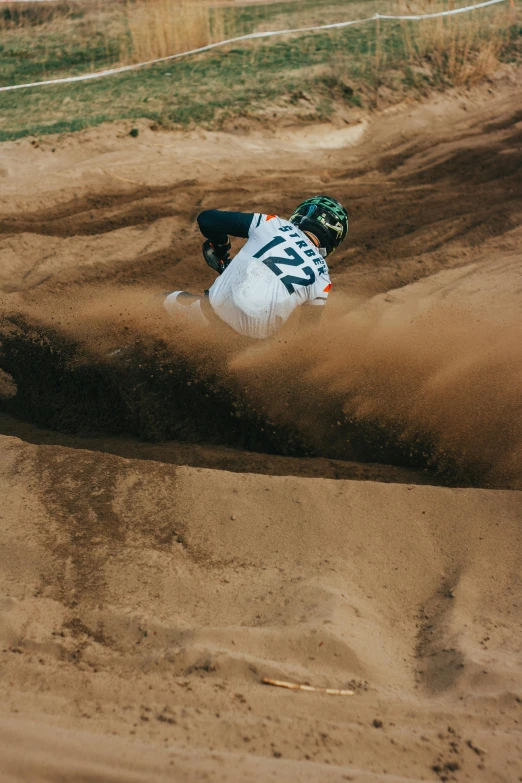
(249, 37)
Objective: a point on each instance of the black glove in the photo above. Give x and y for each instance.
(223, 252)
(217, 256)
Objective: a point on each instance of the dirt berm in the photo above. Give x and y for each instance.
(338, 507)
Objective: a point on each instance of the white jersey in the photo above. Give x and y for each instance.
(278, 269)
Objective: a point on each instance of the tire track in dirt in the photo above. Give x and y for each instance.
(102, 213)
(418, 206)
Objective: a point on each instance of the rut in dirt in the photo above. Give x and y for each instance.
(428, 199)
(144, 392)
(150, 393)
(156, 393)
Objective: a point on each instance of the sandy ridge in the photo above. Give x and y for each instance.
(171, 590)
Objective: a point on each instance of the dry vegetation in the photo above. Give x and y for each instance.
(464, 47)
(158, 28)
(355, 65)
(148, 29)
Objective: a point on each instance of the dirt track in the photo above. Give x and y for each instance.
(444, 194)
(147, 600)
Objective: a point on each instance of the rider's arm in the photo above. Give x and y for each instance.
(217, 225)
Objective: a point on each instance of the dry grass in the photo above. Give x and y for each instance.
(463, 48)
(158, 28)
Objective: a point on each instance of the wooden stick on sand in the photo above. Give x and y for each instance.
(295, 687)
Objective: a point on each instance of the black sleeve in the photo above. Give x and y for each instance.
(217, 225)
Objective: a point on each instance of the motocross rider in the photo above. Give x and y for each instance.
(281, 266)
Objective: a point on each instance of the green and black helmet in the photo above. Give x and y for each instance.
(325, 218)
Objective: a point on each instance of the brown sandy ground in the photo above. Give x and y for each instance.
(142, 600)
(152, 604)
